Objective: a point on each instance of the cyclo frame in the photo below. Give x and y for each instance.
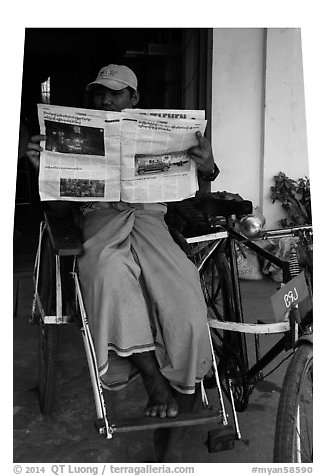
(54, 299)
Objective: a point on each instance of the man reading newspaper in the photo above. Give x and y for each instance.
(143, 296)
(134, 156)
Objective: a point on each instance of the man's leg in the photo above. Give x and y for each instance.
(179, 314)
(161, 402)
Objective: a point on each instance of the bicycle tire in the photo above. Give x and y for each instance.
(218, 291)
(48, 333)
(293, 435)
(217, 287)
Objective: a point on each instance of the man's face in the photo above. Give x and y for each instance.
(106, 99)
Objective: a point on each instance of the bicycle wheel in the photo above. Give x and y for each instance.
(228, 346)
(293, 436)
(48, 333)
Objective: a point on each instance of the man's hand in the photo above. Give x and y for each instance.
(34, 149)
(202, 154)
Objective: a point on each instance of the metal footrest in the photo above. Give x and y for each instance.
(149, 423)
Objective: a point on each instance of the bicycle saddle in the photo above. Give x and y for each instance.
(224, 204)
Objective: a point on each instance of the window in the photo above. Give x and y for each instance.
(45, 91)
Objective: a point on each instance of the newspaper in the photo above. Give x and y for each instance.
(136, 156)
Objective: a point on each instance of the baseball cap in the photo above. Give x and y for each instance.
(115, 76)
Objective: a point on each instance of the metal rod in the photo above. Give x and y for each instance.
(238, 302)
(58, 289)
(204, 398)
(258, 249)
(36, 272)
(92, 364)
(235, 417)
(211, 251)
(217, 378)
(267, 358)
(257, 348)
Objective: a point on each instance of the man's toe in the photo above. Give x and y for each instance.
(172, 410)
(162, 411)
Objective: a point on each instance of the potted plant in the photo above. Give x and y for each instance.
(294, 196)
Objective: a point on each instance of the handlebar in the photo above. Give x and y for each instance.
(290, 231)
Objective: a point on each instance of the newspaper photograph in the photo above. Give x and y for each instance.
(92, 155)
(81, 156)
(155, 163)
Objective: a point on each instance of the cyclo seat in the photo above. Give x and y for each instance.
(66, 236)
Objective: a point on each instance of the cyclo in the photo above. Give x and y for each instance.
(207, 230)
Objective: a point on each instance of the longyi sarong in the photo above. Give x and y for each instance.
(142, 293)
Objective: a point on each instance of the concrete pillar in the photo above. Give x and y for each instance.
(258, 113)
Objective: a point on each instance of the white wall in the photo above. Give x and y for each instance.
(285, 139)
(252, 143)
(237, 90)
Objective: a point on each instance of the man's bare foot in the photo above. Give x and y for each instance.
(161, 402)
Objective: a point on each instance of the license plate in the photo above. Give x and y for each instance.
(291, 293)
